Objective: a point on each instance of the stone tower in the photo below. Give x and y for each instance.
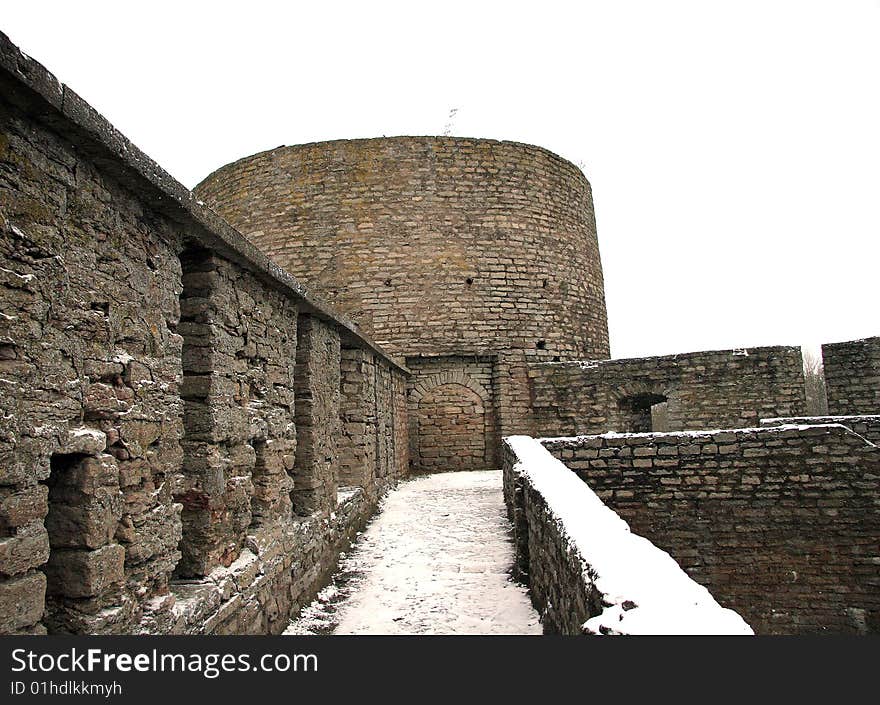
(470, 258)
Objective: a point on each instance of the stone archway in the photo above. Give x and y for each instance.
(452, 424)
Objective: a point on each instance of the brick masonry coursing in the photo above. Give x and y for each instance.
(780, 523)
(716, 389)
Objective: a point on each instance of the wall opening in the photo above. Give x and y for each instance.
(196, 362)
(642, 412)
(85, 568)
(64, 534)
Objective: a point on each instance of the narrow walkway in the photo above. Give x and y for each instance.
(435, 560)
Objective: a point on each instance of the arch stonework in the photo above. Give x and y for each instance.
(448, 377)
(451, 429)
(452, 422)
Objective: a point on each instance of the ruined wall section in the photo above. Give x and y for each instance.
(717, 389)
(781, 524)
(868, 427)
(852, 376)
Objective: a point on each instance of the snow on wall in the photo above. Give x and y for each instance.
(588, 573)
(780, 523)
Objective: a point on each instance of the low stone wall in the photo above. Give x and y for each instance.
(717, 389)
(587, 573)
(852, 376)
(780, 523)
(170, 401)
(866, 426)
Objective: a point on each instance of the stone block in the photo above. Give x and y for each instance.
(22, 601)
(77, 573)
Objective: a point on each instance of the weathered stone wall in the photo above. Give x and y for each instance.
(358, 418)
(91, 408)
(447, 247)
(149, 372)
(717, 389)
(587, 573)
(239, 343)
(781, 524)
(867, 427)
(852, 376)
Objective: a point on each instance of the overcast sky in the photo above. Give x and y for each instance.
(733, 147)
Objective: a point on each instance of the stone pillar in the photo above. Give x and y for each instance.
(357, 416)
(316, 385)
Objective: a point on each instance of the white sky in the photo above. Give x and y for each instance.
(733, 146)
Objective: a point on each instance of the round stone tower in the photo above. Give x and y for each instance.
(470, 258)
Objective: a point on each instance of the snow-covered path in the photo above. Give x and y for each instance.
(435, 560)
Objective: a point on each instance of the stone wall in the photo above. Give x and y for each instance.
(852, 376)
(374, 420)
(239, 341)
(441, 247)
(587, 573)
(780, 523)
(718, 389)
(150, 391)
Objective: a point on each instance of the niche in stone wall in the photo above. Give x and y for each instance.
(85, 570)
(452, 414)
(194, 492)
(452, 429)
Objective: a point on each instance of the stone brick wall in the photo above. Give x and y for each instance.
(150, 370)
(586, 572)
(781, 524)
(374, 426)
(852, 376)
(717, 389)
(239, 343)
(445, 247)
(358, 419)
